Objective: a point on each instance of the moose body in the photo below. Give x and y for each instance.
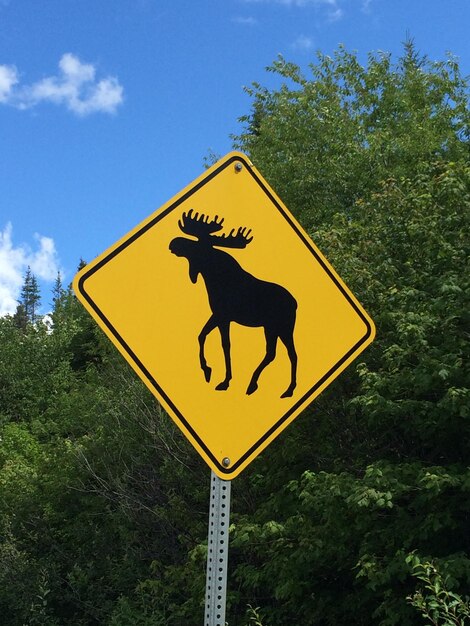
(235, 295)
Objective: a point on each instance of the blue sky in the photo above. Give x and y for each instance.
(109, 107)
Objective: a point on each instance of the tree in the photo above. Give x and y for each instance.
(58, 292)
(20, 319)
(30, 299)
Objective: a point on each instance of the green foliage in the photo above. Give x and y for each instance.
(254, 616)
(434, 600)
(343, 546)
(326, 141)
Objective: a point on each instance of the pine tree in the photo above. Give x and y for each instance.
(57, 291)
(30, 296)
(59, 296)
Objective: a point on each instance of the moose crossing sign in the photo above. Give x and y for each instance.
(228, 312)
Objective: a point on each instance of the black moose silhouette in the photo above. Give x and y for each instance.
(235, 295)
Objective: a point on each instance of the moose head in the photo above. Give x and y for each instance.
(203, 228)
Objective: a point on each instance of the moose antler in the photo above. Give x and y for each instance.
(239, 240)
(200, 226)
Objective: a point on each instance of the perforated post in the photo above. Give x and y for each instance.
(217, 552)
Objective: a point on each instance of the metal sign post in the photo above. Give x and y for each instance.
(217, 552)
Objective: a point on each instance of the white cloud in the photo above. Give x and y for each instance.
(75, 87)
(8, 79)
(43, 262)
(303, 43)
(14, 261)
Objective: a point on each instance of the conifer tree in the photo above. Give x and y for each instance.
(30, 296)
(58, 290)
(58, 300)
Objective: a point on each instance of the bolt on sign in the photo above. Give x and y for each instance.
(227, 311)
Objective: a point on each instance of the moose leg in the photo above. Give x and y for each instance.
(288, 340)
(225, 336)
(271, 341)
(208, 327)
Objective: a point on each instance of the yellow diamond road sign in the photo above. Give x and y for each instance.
(228, 312)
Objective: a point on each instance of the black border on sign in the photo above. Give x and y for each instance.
(148, 375)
